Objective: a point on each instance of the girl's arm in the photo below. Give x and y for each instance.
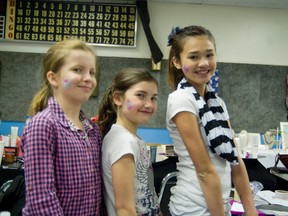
(123, 172)
(41, 198)
(208, 177)
(241, 182)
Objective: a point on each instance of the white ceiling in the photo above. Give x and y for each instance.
(280, 4)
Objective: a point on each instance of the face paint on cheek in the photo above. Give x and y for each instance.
(185, 69)
(129, 105)
(67, 83)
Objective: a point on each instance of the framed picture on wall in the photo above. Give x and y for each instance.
(284, 134)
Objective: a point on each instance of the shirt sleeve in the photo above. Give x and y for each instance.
(38, 147)
(123, 145)
(180, 101)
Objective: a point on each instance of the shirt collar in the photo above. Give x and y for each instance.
(61, 117)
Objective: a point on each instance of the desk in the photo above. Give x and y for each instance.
(258, 169)
(279, 171)
(267, 159)
(257, 172)
(282, 180)
(281, 175)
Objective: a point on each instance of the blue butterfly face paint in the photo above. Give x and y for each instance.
(129, 105)
(67, 83)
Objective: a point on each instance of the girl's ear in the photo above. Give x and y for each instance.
(52, 78)
(176, 63)
(117, 99)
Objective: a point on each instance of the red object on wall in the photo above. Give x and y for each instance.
(95, 118)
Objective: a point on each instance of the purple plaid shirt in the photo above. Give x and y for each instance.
(62, 169)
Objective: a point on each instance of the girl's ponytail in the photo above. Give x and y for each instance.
(40, 100)
(107, 112)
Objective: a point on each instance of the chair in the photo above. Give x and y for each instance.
(164, 196)
(12, 196)
(161, 169)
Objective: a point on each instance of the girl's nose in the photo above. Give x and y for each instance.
(151, 103)
(87, 76)
(203, 61)
(148, 103)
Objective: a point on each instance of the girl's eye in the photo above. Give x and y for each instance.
(92, 73)
(194, 57)
(140, 95)
(77, 70)
(154, 98)
(210, 55)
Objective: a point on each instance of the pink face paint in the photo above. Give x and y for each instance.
(185, 69)
(129, 105)
(67, 83)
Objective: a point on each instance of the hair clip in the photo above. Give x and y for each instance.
(175, 31)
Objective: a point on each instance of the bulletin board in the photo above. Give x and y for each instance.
(51, 21)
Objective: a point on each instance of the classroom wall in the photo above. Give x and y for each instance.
(252, 64)
(243, 35)
(254, 94)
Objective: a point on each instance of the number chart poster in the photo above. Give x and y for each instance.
(51, 21)
(2, 19)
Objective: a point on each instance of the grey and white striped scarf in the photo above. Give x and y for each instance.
(211, 113)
